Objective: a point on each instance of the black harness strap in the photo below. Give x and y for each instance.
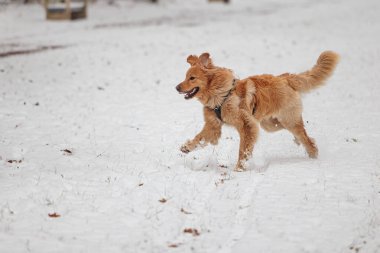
(218, 112)
(254, 110)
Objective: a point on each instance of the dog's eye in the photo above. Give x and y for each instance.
(192, 78)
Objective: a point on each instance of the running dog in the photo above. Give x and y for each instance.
(274, 102)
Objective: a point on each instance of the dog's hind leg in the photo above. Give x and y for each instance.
(298, 130)
(271, 125)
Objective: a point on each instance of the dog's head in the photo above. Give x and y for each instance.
(196, 79)
(204, 80)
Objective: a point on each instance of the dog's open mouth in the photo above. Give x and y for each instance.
(191, 93)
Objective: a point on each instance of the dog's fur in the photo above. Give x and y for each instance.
(274, 102)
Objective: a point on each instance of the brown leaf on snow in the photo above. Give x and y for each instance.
(14, 161)
(163, 200)
(184, 211)
(67, 151)
(141, 184)
(54, 215)
(192, 231)
(173, 245)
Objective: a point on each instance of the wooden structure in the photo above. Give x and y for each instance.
(65, 9)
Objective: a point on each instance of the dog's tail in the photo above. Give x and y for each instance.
(315, 77)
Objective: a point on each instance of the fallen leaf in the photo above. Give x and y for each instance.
(163, 200)
(67, 151)
(14, 161)
(192, 231)
(54, 215)
(184, 211)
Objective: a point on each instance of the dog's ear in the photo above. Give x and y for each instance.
(192, 59)
(205, 60)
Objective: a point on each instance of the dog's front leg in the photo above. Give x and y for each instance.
(211, 132)
(248, 131)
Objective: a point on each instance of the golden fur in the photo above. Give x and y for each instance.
(274, 102)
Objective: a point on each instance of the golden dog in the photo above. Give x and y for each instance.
(274, 102)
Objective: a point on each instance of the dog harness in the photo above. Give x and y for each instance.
(218, 109)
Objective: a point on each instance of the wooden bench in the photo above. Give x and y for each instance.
(65, 9)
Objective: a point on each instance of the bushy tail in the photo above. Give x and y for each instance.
(315, 77)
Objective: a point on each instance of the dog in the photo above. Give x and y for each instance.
(273, 102)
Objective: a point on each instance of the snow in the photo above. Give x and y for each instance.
(109, 97)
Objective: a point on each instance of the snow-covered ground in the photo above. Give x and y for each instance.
(107, 95)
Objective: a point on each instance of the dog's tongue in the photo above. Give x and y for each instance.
(188, 94)
(191, 93)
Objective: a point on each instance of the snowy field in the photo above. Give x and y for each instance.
(90, 130)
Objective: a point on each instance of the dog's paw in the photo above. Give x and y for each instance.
(313, 149)
(239, 169)
(185, 149)
(241, 166)
(313, 153)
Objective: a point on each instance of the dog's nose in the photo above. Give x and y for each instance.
(178, 88)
